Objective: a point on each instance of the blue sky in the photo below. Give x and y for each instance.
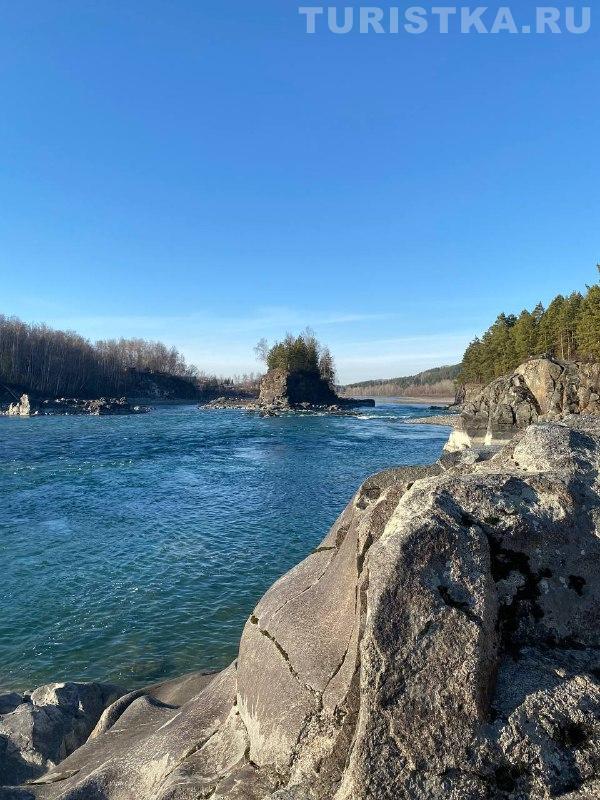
(207, 173)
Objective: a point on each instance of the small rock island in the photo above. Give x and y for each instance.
(300, 377)
(26, 406)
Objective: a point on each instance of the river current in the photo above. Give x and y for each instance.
(133, 549)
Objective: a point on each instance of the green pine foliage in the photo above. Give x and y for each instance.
(294, 354)
(587, 326)
(303, 353)
(568, 329)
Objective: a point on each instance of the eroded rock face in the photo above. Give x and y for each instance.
(289, 389)
(307, 630)
(442, 642)
(281, 390)
(467, 392)
(478, 688)
(39, 730)
(539, 388)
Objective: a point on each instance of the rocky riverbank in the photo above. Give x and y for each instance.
(441, 642)
(540, 389)
(67, 406)
(277, 409)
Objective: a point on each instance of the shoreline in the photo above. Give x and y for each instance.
(445, 420)
(416, 401)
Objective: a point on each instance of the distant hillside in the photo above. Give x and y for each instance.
(436, 382)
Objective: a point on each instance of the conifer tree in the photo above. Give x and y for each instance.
(302, 353)
(550, 335)
(472, 364)
(524, 335)
(569, 328)
(588, 324)
(568, 325)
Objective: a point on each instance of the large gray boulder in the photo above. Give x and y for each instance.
(442, 642)
(486, 685)
(40, 729)
(539, 388)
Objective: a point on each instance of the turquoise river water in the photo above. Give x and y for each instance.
(132, 549)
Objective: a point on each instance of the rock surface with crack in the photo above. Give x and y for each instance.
(442, 642)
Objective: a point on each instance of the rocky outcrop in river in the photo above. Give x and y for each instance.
(282, 391)
(69, 406)
(443, 641)
(20, 408)
(97, 408)
(279, 387)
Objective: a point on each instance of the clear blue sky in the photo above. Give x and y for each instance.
(205, 172)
